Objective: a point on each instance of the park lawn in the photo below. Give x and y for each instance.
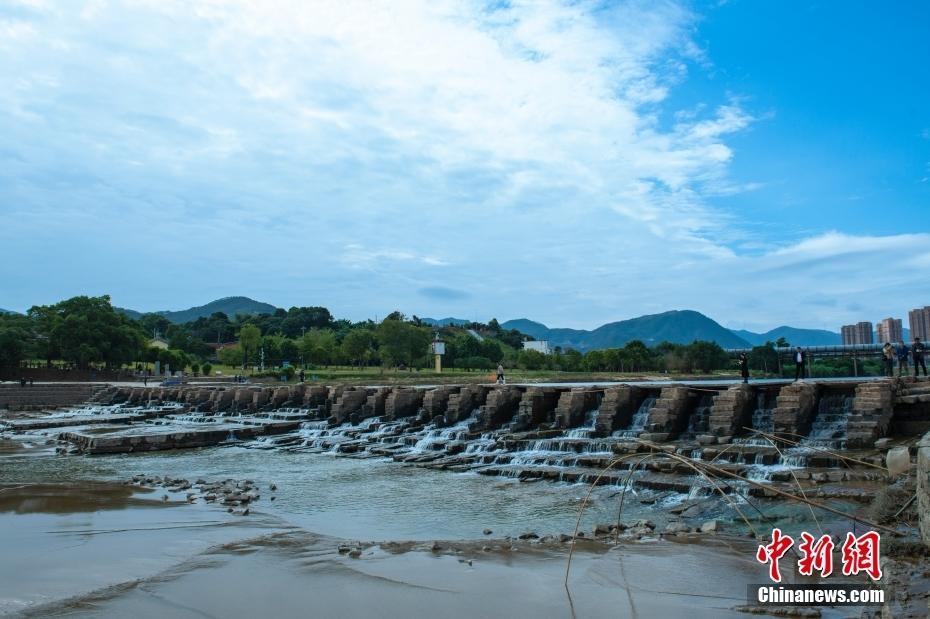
(382, 376)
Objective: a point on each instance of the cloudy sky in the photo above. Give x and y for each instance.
(572, 162)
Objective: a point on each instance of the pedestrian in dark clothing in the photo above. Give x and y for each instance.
(302, 375)
(903, 352)
(888, 359)
(22, 381)
(917, 354)
(744, 367)
(798, 364)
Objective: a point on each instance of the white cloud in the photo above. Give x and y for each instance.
(352, 153)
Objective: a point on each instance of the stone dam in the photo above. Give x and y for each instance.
(768, 435)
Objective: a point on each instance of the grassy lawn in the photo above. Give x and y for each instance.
(380, 376)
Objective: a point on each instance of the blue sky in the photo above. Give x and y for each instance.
(571, 162)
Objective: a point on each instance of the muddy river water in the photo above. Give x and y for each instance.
(78, 541)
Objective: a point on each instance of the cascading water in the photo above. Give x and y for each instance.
(434, 438)
(828, 430)
(639, 420)
(587, 429)
(698, 421)
(763, 418)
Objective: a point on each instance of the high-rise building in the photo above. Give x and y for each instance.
(889, 330)
(919, 322)
(859, 333)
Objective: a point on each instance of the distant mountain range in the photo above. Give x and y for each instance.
(797, 337)
(3, 311)
(231, 306)
(678, 326)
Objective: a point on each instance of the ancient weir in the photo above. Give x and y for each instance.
(558, 433)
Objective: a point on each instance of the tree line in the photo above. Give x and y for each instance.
(85, 332)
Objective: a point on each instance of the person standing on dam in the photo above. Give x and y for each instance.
(888, 359)
(500, 374)
(743, 367)
(917, 353)
(798, 364)
(903, 352)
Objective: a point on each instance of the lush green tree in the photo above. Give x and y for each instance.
(299, 319)
(289, 351)
(637, 355)
(207, 369)
(318, 346)
(572, 361)
(173, 360)
(401, 342)
(249, 341)
(45, 319)
(15, 338)
(764, 358)
(671, 357)
(531, 359)
(153, 324)
(705, 356)
(230, 355)
(357, 345)
(86, 330)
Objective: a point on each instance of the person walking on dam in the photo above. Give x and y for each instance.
(888, 359)
(798, 364)
(917, 354)
(500, 374)
(744, 367)
(903, 352)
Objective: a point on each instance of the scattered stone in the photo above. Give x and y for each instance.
(649, 524)
(711, 526)
(528, 535)
(355, 553)
(245, 512)
(487, 531)
(273, 487)
(435, 547)
(164, 497)
(674, 528)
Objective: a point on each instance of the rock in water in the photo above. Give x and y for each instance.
(488, 531)
(677, 527)
(711, 526)
(898, 461)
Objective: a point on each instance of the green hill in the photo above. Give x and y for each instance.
(231, 306)
(678, 326)
(795, 337)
